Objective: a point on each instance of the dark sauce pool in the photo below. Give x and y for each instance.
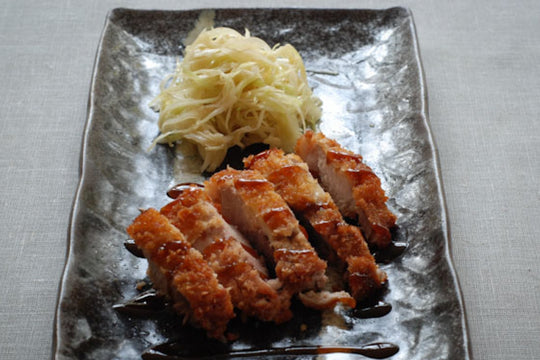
(170, 351)
(256, 339)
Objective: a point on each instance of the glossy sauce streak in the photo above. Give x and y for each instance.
(253, 184)
(361, 175)
(288, 171)
(149, 302)
(316, 206)
(277, 215)
(326, 226)
(375, 311)
(177, 189)
(249, 250)
(343, 155)
(133, 248)
(360, 172)
(380, 232)
(235, 155)
(375, 351)
(390, 253)
(259, 156)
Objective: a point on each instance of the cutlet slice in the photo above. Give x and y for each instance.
(352, 184)
(293, 181)
(228, 253)
(180, 272)
(248, 201)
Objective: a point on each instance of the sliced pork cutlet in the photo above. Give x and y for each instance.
(228, 253)
(293, 181)
(355, 188)
(248, 201)
(179, 271)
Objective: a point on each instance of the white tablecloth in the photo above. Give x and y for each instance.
(481, 61)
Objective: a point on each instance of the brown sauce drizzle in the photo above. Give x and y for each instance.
(253, 184)
(177, 189)
(361, 175)
(133, 248)
(380, 233)
(250, 250)
(326, 226)
(168, 351)
(390, 253)
(149, 302)
(277, 215)
(287, 171)
(343, 155)
(378, 310)
(235, 155)
(262, 155)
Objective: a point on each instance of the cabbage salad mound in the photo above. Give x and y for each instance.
(233, 89)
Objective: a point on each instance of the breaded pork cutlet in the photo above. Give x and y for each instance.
(293, 181)
(248, 201)
(352, 184)
(179, 272)
(228, 253)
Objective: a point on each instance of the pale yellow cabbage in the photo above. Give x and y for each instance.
(231, 90)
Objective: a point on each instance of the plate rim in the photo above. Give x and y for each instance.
(113, 13)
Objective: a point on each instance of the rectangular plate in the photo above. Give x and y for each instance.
(365, 66)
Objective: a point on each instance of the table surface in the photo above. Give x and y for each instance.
(481, 64)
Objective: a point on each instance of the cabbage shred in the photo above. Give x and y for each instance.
(232, 89)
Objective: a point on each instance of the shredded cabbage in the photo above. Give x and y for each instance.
(231, 90)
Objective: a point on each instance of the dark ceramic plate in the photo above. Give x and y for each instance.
(365, 66)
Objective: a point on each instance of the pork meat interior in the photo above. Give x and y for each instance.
(179, 272)
(229, 254)
(248, 201)
(352, 184)
(292, 180)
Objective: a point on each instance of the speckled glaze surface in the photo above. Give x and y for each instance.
(365, 66)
